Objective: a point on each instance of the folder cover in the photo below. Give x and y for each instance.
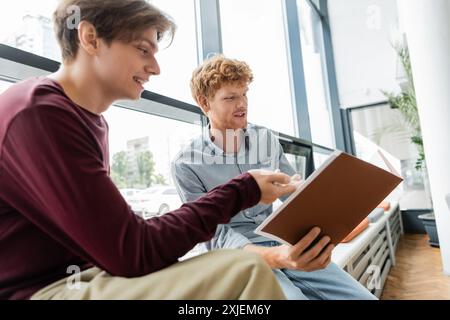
(336, 197)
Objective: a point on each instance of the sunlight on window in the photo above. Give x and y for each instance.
(178, 60)
(141, 149)
(253, 31)
(27, 25)
(315, 77)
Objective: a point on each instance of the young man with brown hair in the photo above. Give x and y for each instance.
(59, 210)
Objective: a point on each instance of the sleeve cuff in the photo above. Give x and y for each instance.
(252, 193)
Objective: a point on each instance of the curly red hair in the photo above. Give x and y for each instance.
(217, 71)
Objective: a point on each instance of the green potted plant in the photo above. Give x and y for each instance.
(406, 103)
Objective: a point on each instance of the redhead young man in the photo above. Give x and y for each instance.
(231, 146)
(65, 230)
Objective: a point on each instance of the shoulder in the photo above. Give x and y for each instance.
(32, 95)
(32, 100)
(259, 128)
(262, 133)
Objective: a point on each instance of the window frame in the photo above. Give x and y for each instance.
(16, 65)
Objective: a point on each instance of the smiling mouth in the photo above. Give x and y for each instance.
(140, 81)
(239, 114)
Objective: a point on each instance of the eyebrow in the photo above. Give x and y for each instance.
(236, 93)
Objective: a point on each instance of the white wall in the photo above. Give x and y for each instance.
(427, 26)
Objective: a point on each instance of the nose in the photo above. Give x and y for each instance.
(153, 67)
(243, 102)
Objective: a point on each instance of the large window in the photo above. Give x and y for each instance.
(381, 127)
(315, 77)
(253, 31)
(141, 149)
(27, 25)
(179, 59)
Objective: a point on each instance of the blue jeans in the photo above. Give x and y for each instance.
(331, 283)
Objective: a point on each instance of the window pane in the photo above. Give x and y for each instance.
(320, 158)
(141, 149)
(384, 128)
(298, 163)
(315, 78)
(179, 60)
(253, 31)
(27, 25)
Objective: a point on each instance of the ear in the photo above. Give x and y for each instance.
(203, 104)
(87, 35)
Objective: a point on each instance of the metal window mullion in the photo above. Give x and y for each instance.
(296, 70)
(209, 28)
(332, 82)
(313, 4)
(347, 124)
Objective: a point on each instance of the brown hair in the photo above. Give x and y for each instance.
(217, 71)
(113, 20)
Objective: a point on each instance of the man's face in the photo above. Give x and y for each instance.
(228, 108)
(124, 68)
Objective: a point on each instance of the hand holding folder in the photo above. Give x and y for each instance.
(336, 198)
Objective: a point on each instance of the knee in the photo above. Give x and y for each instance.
(236, 258)
(251, 262)
(257, 278)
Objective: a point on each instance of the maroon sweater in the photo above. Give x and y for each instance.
(59, 207)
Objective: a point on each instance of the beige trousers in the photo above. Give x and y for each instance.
(221, 274)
